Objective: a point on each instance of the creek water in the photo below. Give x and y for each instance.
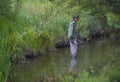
(58, 63)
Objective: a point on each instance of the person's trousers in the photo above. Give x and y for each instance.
(73, 47)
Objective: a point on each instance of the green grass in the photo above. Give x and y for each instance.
(106, 75)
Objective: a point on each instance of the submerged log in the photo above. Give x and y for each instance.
(30, 53)
(61, 44)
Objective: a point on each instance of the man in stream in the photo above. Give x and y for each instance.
(72, 36)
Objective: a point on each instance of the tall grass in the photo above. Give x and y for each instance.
(4, 62)
(18, 34)
(4, 52)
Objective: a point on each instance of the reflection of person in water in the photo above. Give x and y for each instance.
(74, 67)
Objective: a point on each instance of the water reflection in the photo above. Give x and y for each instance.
(73, 66)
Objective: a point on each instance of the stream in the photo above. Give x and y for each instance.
(56, 64)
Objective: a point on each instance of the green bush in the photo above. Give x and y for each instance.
(113, 20)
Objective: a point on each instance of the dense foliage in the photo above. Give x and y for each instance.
(36, 23)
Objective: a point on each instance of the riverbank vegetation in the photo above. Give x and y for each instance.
(38, 24)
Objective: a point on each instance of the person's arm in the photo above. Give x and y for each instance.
(70, 30)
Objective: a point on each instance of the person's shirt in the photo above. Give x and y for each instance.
(72, 31)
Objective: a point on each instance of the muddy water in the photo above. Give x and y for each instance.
(55, 64)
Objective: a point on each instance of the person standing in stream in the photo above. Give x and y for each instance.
(72, 36)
